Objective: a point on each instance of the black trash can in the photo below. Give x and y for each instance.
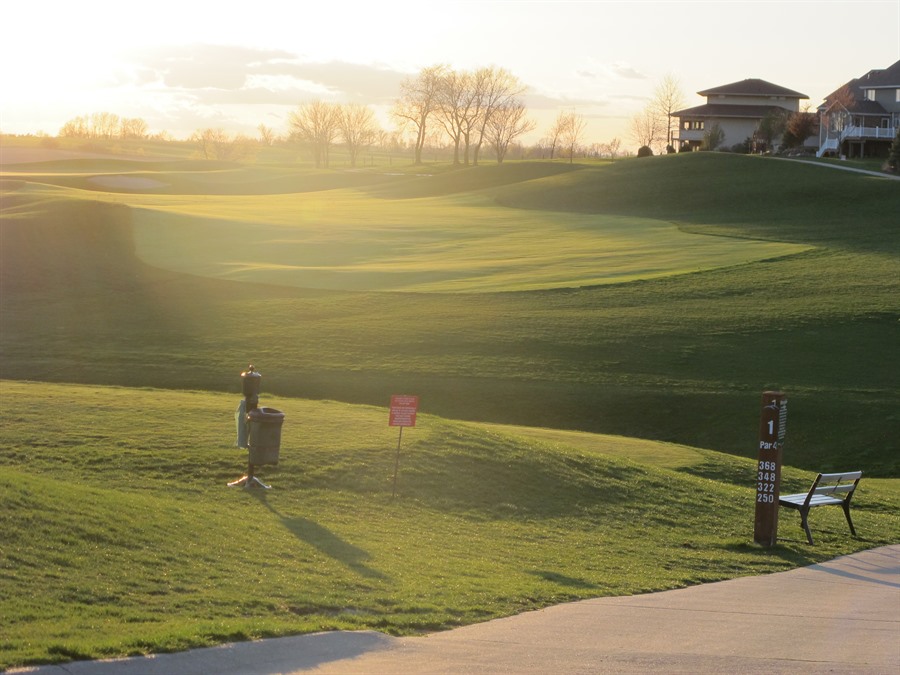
(265, 435)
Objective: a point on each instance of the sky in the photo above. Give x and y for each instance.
(193, 64)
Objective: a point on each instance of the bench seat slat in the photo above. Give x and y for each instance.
(816, 500)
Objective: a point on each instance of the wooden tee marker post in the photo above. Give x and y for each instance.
(772, 423)
(403, 414)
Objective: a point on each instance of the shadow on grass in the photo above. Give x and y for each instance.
(325, 540)
(562, 579)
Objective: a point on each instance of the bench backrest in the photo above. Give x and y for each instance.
(835, 483)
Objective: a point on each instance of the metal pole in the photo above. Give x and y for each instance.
(397, 463)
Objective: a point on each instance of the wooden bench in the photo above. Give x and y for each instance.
(822, 493)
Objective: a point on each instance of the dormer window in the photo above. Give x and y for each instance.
(870, 94)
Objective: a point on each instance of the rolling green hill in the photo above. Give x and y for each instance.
(120, 536)
(681, 358)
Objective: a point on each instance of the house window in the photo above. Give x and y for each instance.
(897, 95)
(885, 123)
(870, 94)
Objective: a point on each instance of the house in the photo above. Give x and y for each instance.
(737, 109)
(861, 118)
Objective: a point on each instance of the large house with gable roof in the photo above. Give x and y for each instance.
(861, 118)
(737, 109)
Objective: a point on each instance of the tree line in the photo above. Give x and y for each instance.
(466, 111)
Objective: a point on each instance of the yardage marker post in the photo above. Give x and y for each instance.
(403, 414)
(772, 424)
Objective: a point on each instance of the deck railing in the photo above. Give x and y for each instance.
(833, 140)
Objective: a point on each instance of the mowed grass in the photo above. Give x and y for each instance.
(346, 240)
(679, 358)
(121, 537)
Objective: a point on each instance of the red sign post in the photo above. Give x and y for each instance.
(772, 424)
(403, 414)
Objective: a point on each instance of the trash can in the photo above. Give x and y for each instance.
(265, 435)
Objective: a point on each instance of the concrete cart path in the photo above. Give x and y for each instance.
(840, 616)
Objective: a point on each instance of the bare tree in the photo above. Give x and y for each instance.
(417, 104)
(667, 98)
(358, 128)
(495, 89)
(133, 127)
(209, 140)
(613, 148)
(217, 144)
(646, 128)
(457, 110)
(507, 123)
(573, 133)
(104, 125)
(316, 124)
(557, 131)
(77, 127)
(266, 135)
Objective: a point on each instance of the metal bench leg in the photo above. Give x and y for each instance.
(804, 523)
(846, 507)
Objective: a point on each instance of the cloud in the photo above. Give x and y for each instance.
(234, 74)
(618, 70)
(534, 101)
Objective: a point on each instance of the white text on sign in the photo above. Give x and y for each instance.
(403, 410)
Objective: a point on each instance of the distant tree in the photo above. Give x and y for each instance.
(266, 135)
(770, 127)
(417, 104)
(667, 98)
(612, 148)
(105, 125)
(557, 131)
(217, 144)
(133, 127)
(496, 89)
(647, 128)
(209, 141)
(457, 111)
(573, 133)
(712, 137)
(77, 127)
(317, 124)
(358, 128)
(507, 123)
(645, 151)
(798, 127)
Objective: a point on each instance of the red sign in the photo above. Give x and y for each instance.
(403, 411)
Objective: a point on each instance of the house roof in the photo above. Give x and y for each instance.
(752, 87)
(878, 79)
(850, 95)
(726, 110)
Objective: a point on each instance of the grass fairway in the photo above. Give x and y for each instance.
(121, 537)
(501, 296)
(345, 240)
(680, 357)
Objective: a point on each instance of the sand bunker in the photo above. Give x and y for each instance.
(126, 182)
